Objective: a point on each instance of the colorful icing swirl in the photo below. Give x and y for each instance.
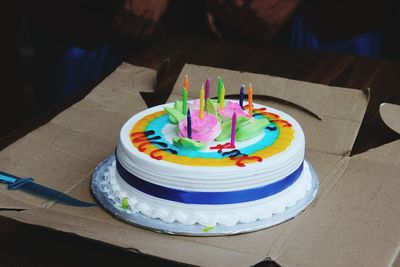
(147, 136)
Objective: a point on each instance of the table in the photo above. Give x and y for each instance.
(381, 76)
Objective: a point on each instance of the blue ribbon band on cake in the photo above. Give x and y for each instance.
(208, 198)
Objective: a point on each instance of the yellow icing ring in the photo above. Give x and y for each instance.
(286, 135)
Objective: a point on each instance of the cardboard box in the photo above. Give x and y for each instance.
(352, 222)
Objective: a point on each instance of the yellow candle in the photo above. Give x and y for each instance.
(250, 100)
(201, 113)
(221, 104)
(186, 83)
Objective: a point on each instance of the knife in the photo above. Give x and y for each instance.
(28, 185)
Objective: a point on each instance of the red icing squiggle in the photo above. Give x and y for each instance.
(275, 117)
(224, 146)
(154, 156)
(246, 106)
(269, 114)
(142, 147)
(284, 122)
(139, 139)
(137, 134)
(239, 161)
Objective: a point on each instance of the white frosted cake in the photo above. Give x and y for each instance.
(217, 164)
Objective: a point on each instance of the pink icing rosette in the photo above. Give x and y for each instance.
(231, 108)
(204, 130)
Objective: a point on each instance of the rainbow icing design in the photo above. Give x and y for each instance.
(148, 136)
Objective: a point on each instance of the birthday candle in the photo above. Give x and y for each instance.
(250, 100)
(241, 96)
(184, 102)
(201, 113)
(220, 85)
(207, 94)
(233, 130)
(189, 124)
(186, 83)
(222, 100)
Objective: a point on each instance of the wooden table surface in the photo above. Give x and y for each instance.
(25, 245)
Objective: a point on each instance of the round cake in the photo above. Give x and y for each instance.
(214, 165)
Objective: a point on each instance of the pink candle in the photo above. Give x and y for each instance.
(233, 131)
(207, 87)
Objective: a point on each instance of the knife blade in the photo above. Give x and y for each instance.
(28, 185)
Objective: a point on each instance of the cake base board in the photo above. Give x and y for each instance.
(102, 191)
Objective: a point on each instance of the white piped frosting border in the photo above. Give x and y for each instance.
(209, 215)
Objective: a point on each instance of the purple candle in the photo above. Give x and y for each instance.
(189, 124)
(241, 96)
(207, 87)
(233, 130)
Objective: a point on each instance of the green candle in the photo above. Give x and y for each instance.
(184, 102)
(220, 86)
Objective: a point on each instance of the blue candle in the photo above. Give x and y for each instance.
(189, 124)
(241, 96)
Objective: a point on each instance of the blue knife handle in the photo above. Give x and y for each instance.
(7, 178)
(27, 184)
(17, 184)
(13, 182)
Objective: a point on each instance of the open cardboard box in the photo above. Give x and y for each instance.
(352, 222)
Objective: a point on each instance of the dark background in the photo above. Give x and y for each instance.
(29, 45)
(35, 33)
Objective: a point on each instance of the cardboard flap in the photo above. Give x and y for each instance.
(356, 222)
(390, 114)
(341, 109)
(63, 153)
(141, 78)
(12, 203)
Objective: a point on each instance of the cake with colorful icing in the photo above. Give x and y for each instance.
(210, 162)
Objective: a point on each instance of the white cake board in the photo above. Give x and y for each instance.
(102, 191)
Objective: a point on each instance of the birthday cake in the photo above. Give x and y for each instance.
(210, 162)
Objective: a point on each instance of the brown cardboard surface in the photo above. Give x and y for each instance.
(63, 153)
(357, 219)
(353, 221)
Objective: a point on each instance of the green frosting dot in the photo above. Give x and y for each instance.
(125, 203)
(207, 229)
